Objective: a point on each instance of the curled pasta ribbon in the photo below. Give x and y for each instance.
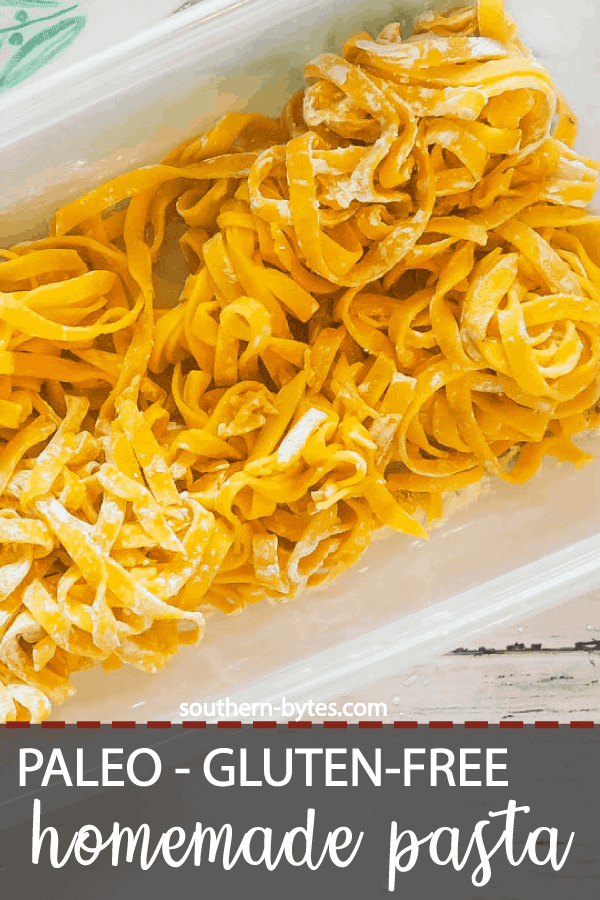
(220, 375)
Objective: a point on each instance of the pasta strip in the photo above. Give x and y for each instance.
(220, 375)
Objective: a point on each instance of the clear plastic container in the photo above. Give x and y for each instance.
(508, 552)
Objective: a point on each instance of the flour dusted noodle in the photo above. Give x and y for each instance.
(392, 289)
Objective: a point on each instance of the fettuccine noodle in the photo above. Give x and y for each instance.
(392, 289)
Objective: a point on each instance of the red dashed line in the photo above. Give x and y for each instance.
(333, 723)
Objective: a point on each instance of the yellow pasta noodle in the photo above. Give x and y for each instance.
(391, 290)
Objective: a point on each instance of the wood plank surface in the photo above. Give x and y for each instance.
(528, 685)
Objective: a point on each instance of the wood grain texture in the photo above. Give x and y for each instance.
(527, 686)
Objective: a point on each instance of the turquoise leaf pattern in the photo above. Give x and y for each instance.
(32, 34)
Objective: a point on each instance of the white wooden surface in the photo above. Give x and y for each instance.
(523, 686)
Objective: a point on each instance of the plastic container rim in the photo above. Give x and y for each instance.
(164, 47)
(433, 630)
(196, 34)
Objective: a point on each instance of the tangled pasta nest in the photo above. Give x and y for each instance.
(392, 289)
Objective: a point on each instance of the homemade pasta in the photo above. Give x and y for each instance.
(392, 289)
